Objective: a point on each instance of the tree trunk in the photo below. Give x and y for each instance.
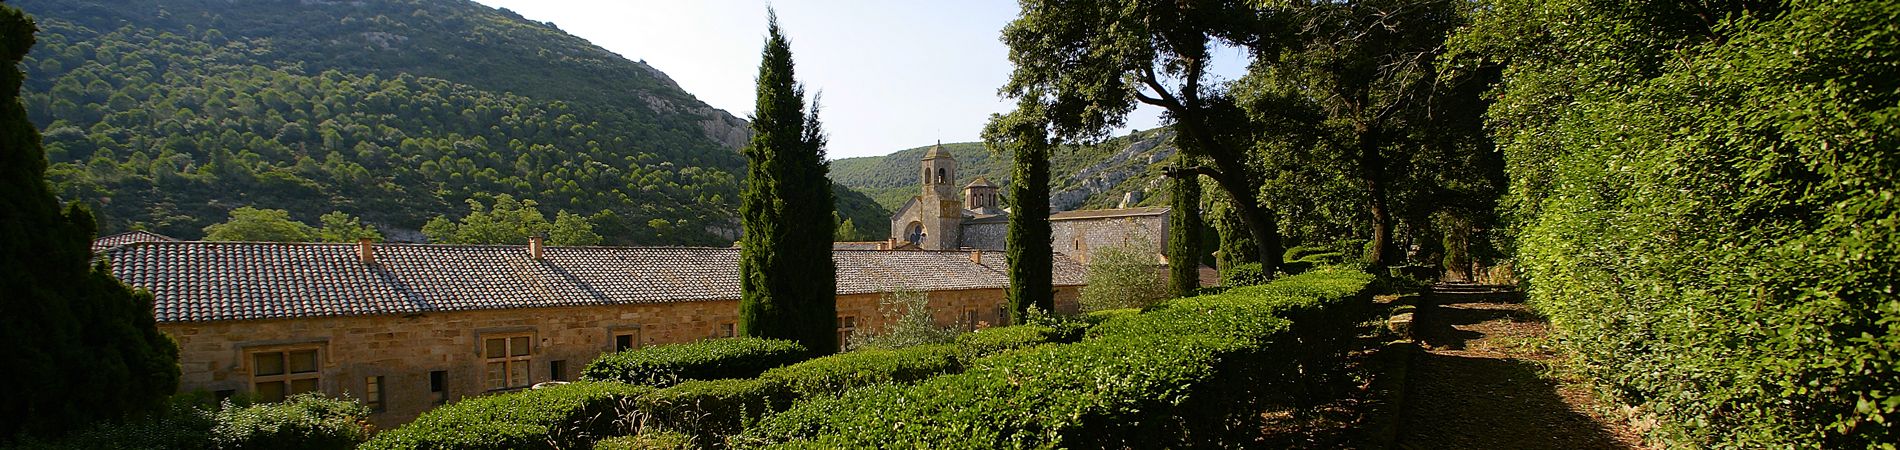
(1372, 172)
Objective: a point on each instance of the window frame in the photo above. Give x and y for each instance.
(847, 326)
(508, 361)
(634, 335)
(287, 377)
(376, 393)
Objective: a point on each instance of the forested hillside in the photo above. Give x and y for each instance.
(166, 115)
(1083, 176)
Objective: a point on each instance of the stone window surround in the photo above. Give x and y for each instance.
(247, 358)
(614, 332)
(481, 340)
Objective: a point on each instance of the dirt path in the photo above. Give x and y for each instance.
(1480, 382)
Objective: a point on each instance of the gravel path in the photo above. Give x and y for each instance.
(1481, 383)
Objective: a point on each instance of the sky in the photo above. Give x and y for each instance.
(892, 75)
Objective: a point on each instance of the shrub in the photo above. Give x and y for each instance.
(185, 423)
(1301, 252)
(836, 373)
(1184, 372)
(304, 421)
(908, 322)
(997, 340)
(665, 365)
(1123, 276)
(563, 416)
(1247, 274)
(652, 440)
(708, 410)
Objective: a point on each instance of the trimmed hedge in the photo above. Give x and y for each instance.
(1185, 372)
(657, 440)
(564, 416)
(836, 373)
(991, 341)
(708, 410)
(666, 365)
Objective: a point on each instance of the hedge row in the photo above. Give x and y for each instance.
(711, 359)
(564, 416)
(1183, 372)
(302, 422)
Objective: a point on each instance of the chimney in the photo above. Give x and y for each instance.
(365, 252)
(976, 256)
(534, 247)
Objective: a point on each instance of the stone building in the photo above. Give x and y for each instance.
(406, 327)
(942, 217)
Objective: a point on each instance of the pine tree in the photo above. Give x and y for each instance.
(81, 346)
(787, 279)
(1184, 240)
(1024, 134)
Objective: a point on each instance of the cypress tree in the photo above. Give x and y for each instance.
(1184, 240)
(1024, 134)
(787, 279)
(81, 346)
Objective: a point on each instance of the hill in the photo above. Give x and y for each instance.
(165, 115)
(1083, 176)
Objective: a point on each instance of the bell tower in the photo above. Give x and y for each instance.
(942, 206)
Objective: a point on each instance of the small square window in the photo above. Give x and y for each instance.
(373, 393)
(557, 370)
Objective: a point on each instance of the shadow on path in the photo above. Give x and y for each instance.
(1477, 386)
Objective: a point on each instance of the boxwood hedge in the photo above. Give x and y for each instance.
(665, 365)
(1183, 372)
(564, 416)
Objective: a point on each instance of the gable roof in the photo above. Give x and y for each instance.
(211, 281)
(129, 237)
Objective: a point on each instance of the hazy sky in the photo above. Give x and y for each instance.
(894, 75)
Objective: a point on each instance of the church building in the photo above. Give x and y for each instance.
(946, 217)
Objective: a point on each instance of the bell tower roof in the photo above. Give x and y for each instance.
(937, 152)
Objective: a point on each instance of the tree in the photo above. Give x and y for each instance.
(511, 221)
(1123, 276)
(1024, 134)
(1088, 64)
(787, 278)
(907, 323)
(847, 230)
(1354, 82)
(260, 225)
(1184, 236)
(572, 229)
(83, 347)
(338, 226)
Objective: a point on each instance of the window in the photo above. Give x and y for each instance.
(939, 176)
(557, 370)
(1002, 314)
(846, 325)
(438, 386)
(969, 318)
(277, 374)
(373, 393)
(626, 340)
(726, 330)
(507, 359)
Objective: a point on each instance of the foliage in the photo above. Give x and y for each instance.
(563, 416)
(85, 346)
(651, 440)
(665, 365)
(708, 410)
(1029, 250)
(304, 421)
(990, 341)
(1184, 237)
(338, 226)
(1123, 276)
(1167, 377)
(260, 225)
(907, 322)
(787, 278)
(1248, 274)
(510, 222)
(833, 374)
(869, 220)
(393, 111)
(1705, 209)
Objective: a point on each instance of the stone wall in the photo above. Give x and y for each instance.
(404, 350)
(1081, 238)
(986, 236)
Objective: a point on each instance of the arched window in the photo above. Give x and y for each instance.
(926, 179)
(940, 176)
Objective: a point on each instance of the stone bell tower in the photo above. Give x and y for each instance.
(941, 203)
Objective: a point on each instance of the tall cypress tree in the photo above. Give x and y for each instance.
(1024, 133)
(81, 346)
(1184, 240)
(787, 279)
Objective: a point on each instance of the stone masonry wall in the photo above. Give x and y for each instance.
(1081, 238)
(404, 349)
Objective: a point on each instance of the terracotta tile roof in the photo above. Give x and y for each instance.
(207, 281)
(857, 245)
(1100, 213)
(107, 242)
